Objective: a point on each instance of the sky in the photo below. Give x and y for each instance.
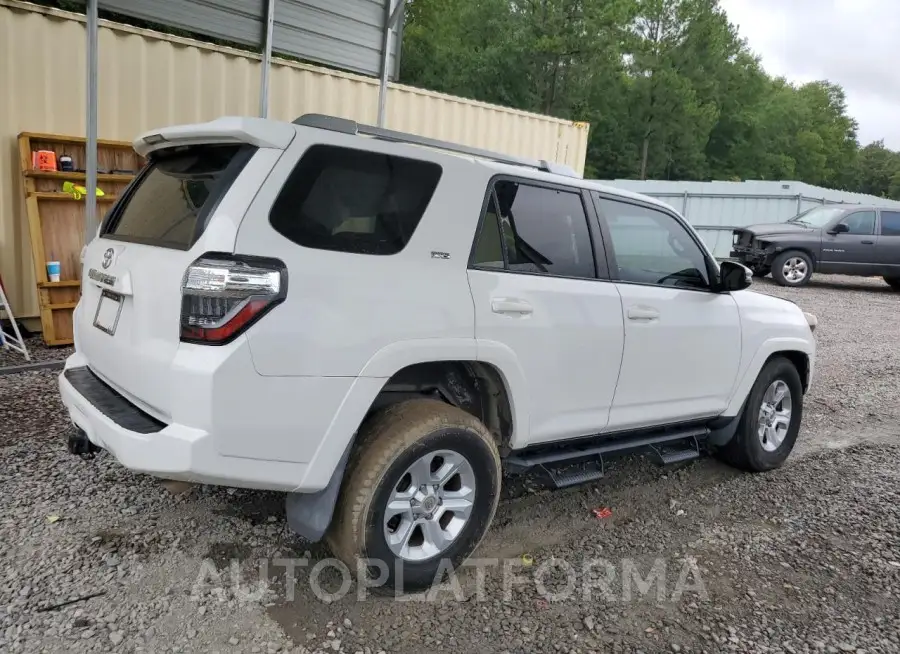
(849, 42)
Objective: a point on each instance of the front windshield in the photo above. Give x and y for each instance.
(817, 217)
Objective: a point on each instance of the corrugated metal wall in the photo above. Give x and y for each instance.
(149, 79)
(715, 208)
(346, 34)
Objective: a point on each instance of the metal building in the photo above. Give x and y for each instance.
(148, 79)
(360, 35)
(716, 208)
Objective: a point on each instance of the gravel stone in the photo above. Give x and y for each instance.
(37, 350)
(805, 559)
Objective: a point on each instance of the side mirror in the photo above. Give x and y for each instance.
(840, 228)
(734, 276)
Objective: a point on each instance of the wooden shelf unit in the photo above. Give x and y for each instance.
(78, 177)
(56, 219)
(65, 197)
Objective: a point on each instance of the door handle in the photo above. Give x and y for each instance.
(645, 314)
(511, 305)
(868, 242)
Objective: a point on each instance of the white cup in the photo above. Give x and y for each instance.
(53, 270)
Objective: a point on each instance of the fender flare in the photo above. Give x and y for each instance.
(396, 356)
(763, 353)
(502, 358)
(382, 366)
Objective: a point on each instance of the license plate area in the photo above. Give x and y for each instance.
(109, 308)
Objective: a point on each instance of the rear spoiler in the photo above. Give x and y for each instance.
(230, 129)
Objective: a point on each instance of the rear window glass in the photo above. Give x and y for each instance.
(890, 223)
(354, 201)
(172, 199)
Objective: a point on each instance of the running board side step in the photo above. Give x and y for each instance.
(667, 447)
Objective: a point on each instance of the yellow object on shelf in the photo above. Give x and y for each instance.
(77, 191)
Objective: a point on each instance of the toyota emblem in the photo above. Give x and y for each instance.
(107, 258)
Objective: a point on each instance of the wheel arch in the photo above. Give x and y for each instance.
(801, 361)
(480, 388)
(724, 427)
(804, 248)
(477, 387)
(798, 351)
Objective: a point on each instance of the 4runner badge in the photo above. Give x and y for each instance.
(440, 255)
(101, 277)
(107, 258)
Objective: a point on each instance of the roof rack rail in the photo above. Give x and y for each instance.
(347, 126)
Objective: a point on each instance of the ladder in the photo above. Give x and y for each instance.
(12, 341)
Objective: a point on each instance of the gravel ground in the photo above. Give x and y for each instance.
(804, 559)
(36, 349)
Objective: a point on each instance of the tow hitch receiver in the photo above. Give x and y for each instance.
(80, 444)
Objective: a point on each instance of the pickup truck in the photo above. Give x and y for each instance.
(845, 239)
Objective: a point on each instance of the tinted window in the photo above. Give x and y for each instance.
(489, 248)
(354, 201)
(171, 200)
(542, 230)
(890, 223)
(652, 247)
(817, 216)
(861, 222)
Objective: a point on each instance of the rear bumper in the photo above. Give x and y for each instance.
(174, 451)
(230, 426)
(169, 450)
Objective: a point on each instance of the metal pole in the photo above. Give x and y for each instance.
(391, 15)
(90, 201)
(266, 60)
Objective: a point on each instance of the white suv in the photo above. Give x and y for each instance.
(378, 324)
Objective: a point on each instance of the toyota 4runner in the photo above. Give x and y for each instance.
(378, 324)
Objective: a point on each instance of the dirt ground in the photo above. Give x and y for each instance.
(693, 559)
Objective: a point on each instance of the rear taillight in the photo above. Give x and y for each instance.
(222, 295)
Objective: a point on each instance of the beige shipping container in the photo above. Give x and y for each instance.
(148, 79)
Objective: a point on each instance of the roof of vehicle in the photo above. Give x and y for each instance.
(577, 182)
(850, 206)
(538, 170)
(279, 134)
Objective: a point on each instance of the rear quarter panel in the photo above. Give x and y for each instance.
(342, 309)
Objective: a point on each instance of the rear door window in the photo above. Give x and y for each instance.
(354, 201)
(170, 202)
(890, 223)
(537, 230)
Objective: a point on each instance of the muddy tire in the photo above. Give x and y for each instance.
(770, 423)
(418, 496)
(792, 268)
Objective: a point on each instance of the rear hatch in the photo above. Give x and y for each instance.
(180, 206)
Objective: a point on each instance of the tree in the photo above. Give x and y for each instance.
(877, 170)
(669, 88)
(673, 118)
